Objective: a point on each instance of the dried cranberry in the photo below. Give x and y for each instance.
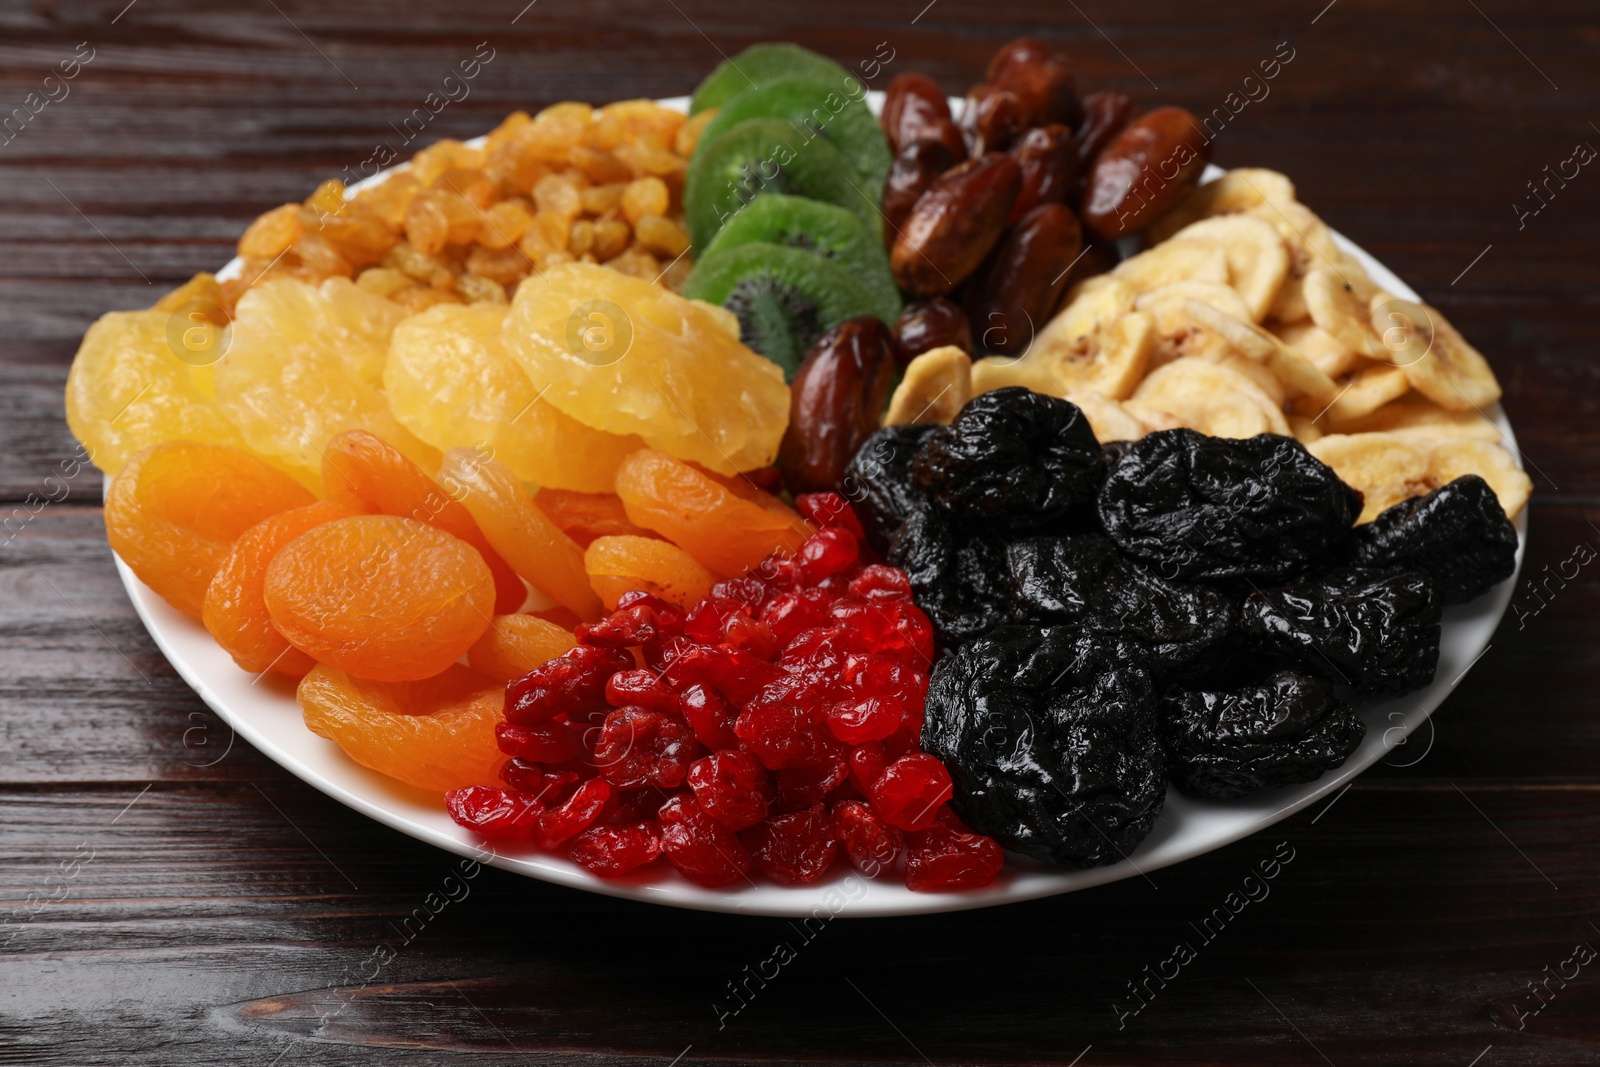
(796, 848)
(642, 687)
(911, 791)
(789, 614)
(708, 620)
(779, 733)
(830, 509)
(800, 787)
(777, 572)
(949, 856)
(867, 764)
(660, 655)
(733, 672)
(582, 809)
(749, 635)
(574, 682)
(612, 851)
(749, 592)
(493, 812)
(620, 629)
(731, 787)
(528, 777)
(879, 582)
(638, 748)
(864, 719)
(546, 743)
(669, 617)
(702, 849)
(826, 553)
(710, 716)
(872, 844)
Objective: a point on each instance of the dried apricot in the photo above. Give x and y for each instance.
(175, 510)
(619, 565)
(365, 473)
(585, 516)
(523, 534)
(235, 609)
(435, 733)
(728, 531)
(382, 597)
(515, 644)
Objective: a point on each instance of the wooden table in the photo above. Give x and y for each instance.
(171, 899)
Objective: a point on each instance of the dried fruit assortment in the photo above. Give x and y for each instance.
(778, 490)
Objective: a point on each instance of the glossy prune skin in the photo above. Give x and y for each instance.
(1013, 461)
(877, 481)
(1081, 580)
(1285, 729)
(1050, 737)
(1458, 535)
(1197, 508)
(959, 579)
(1375, 631)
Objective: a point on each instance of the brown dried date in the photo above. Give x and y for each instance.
(993, 119)
(1040, 79)
(836, 402)
(917, 166)
(1144, 172)
(1021, 282)
(930, 324)
(955, 225)
(1105, 114)
(1048, 157)
(915, 109)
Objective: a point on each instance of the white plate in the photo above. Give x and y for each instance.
(264, 713)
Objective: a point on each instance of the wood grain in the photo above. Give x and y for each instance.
(168, 897)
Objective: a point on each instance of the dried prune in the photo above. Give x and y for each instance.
(1050, 737)
(1082, 580)
(1458, 535)
(1208, 508)
(1285, 729)
(877, 481)
(1376, 631)
(961, 581)
(1013, 460)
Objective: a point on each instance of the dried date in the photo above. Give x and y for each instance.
(954, 225)
(1013, 293)
(837, 398)
(929, 324)
(1143, 172)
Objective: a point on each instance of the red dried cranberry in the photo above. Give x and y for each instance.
(867, 764)
(642, 687)
(749, 592)
(638, 747)
(661, 654)
(731, 787)
(864, 719)
(822, 650)
(829, 509)
(895, 627)
(789, 614)
(911, 791)
(493, 812)
(582, 809)
(669, 617)
(796, 848)
(622, 628)
(546, 743)
(612, 851)
(751, 636)
(733, 672)
(528, 777)
(777, 572)
(949, 856)
(878, 581)
(574, 682)
(826, 553)
(799, 787)
(872, 844)
(702, 849)
(710, 716)
(708, 620)
(779, 733)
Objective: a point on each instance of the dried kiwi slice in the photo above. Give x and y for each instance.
(784, 298)
(763, 156)
(812, 226)
(758, 65)
(815, 106)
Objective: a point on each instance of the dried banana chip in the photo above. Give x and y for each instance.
(1177, 333)
(1385, 469)
(1439, 362)
(1319, 348)
(1110, 358)
(1258, 261)
(1449, 460)
(1295, 371)
(1175, 261)
(1207, 397)
(1336, 308)
(1090, 305)
(1305, 431)
(1236, 191)
(1109, 419)
(1289, 306)
(936, 386)
(1368, 390)
(1308, 238)
(1417, 418)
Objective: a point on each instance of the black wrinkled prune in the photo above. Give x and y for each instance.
(877, 481)
(1050, 737)
(959, 580)
(1013, 460)
(1084, 581)
(1458, 535)
(1376, 631)
(1286, 729)
(1210, 508)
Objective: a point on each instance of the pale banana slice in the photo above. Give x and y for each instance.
(1289, 306)
(1177, 333)
(1449, 460)
(1439, 362)
(1175, 261)
(1207, 397)
(1368, 390)
(1091, 305)
(1258, 261)
(1109, 419)
(1110, 359)
(1385, 469)
(1236, 191)
(1319, 348)
(1356, 276)
(1417, 418)
(1295, 371)
(1305, 431)
(1308, 238)
(1336, 308)
(936, 386)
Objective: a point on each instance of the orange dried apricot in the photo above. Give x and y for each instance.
(382, 597)
(618, 565)
(535, 547)
(435, 733)
(513, 645)
(235, 609)
(175, 510)
(365, 473)
(727, 531)
(585, 516)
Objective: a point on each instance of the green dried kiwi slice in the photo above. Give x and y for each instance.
(758, 65)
